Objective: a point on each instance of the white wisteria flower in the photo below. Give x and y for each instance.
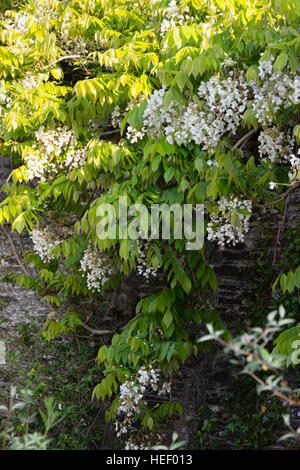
(273, 90)
(230, 224)
(131, 398)
(55, 150)
(96, 268)
(220, 111)
(174, 16)
(220, 107)
(275, 145)
(44, 243)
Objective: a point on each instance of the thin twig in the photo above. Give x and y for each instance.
(280, 229)
(281, 198)
(278, 394)
(291, 401)
(112, 132)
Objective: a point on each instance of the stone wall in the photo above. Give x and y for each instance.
(209, 378)
(233, 265)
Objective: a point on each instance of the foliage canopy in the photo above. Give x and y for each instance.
(155, 101)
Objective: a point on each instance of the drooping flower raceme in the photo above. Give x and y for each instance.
(173, 16)
(155, 115)
(230, 224)
(44, 243)
(55, 150)
(278, 147)
(44, 14)
(30, 81)
(220, 110)
(57, 140)
(221, 104)
(142, 267)
(131, 398)
(294, 173)
(5, 100)
(117, 116)
(273, 91)
(275, 145)
(96, 268)
(70, 39)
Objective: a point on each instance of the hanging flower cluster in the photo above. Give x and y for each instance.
(117, 116)
(155, 115)
(94, 128)
(231, 223)
(96, 268)
(44, 243)
(294, 173)
(225, 102)
(76, 46)
(220, 110)
(220, 105)
(20, 22)
(55, 150)
(130, 445)
(35, 165)
(142, 267)
(5, 100)
(273, 90)
(134, 135)
(30, 81)
(275, 145)
(148, 379)
(173, 16)
(55, 140)
(70, 39)
(43, 15)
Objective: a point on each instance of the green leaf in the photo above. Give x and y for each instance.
(170, 352)
(167, 319)
(163, 351)
(155, 163)
(281, 61)
(150, 423)
(169, 174)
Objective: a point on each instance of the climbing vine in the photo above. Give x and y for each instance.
(157, 102)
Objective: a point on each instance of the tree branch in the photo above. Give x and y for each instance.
(244, 139)
(60, 59)
(23, 267)
(97, 332)
(291, 401)
(27, 273)
(282, 197)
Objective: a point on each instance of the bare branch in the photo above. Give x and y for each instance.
(23, 267)
(61, 59)
(97, 332)
(244, 139)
